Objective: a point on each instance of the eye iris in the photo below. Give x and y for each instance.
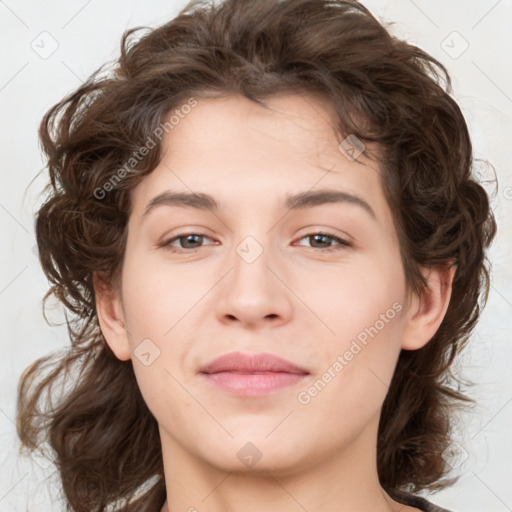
(318, 238)
(188, 237)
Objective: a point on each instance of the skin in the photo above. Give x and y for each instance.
(296, 300)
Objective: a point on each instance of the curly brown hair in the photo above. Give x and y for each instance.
(384, 91)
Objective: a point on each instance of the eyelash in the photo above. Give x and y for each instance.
(341, 242)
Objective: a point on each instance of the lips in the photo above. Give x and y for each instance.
(237, 362)
(252, 375)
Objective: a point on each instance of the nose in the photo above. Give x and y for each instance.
(254, 293)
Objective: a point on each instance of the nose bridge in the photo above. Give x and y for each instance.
(252, 242)
(250, 265)
(250, 249)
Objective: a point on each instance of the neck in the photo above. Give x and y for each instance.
(345, 481)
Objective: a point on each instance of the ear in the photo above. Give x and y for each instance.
(111, 316)
(426, 311)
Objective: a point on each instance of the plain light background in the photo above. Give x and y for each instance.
(48, 48)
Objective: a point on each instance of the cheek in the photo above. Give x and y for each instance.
(156, 298)
(155, 302)
(354, 298)
(359, 359)
(362, 310)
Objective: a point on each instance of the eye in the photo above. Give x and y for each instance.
(323, 239)
(188, 241)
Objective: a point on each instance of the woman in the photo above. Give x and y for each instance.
(221, 359)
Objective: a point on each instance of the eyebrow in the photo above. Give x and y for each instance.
(298, 201)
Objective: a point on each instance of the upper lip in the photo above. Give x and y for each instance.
(249, 363)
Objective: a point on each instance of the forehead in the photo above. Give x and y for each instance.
(235, 149)
(302, 126)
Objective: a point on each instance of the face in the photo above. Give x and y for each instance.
(292, 255)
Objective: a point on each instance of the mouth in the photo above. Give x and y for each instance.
(247, 375)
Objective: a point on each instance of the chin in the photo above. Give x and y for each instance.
(254, 451)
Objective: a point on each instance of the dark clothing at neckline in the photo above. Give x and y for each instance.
(415, 501)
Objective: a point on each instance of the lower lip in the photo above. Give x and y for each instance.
(253, 384)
